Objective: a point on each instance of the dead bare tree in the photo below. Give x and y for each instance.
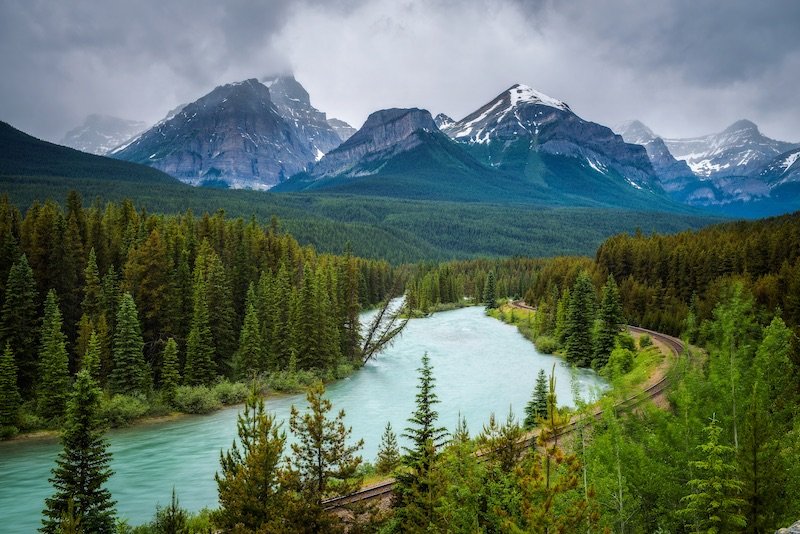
(383, 329)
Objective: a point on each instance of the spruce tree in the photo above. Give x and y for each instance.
(282, 345)
(92, 288)
(252, 494)
(19, 321)
(130, 374)
(580, 322)
(714, 503)
(326, 465)
(611, 323)
(171, 519)
(249, 359)
(170, 376)
(82, 468)
(52, 390)
(10, 399)
(221, 316)
(489, 296)
(388, 452)
(91, 360)
(536, 408)
(199, 367)
(414, 484)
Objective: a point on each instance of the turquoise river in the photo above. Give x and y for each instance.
(481, 366)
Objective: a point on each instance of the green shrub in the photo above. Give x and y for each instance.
(8, 432)
(645, 341)
(28, 421)
(619, 362)
(626, 341)
(291, 381)
(196, 399)
(546, 344)
(122, 410)
(230, 392)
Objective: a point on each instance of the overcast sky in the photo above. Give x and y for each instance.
(684, 67)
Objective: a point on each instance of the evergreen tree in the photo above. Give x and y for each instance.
(610, 325)
(172, 519)
(52, 391)
(221, 316)
(325, 464)
(19, 321)
(562, 311)
(82, 468)
(85, 330)
(388, 452)
(249, 359)
(714, 504)
(170, 376)
(130, 374)
(10, 399)
(580, 322)
(536, 408)
(199, 367)
(92, 289)
(91, 359)
(489, 296)
(414, 485)
(252, 492)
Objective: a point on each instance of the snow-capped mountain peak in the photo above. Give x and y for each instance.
(520, 93)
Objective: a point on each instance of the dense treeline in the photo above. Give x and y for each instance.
(399, 231)
(164, 300)
(433, 285)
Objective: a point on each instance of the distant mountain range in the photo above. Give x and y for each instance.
(738, 170)
(99, 134)
(521, 146)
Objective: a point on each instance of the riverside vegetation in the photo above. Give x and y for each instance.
(722, 456)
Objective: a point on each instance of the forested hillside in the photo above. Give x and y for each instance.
(154, 301)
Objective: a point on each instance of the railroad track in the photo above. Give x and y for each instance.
(383, 489)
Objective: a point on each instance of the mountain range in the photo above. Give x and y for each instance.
(737, 170)
(520, 146)
(100, 134)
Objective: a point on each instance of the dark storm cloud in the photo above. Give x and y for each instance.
(684, 67)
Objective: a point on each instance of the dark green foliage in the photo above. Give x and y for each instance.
(249, 359)
(91, 359)
(53, 385)
(388, 452)
(610, 323)
(715, 503)
(414, 484)
(18, 322)
(130, 373)
(199, 367)
(325, 465)
(10, 399)
(251, 487)
(92, 288)
(580, 322)
(171, 519)
(170, 375)
(536, 408)
(490, 292)
(82, 468)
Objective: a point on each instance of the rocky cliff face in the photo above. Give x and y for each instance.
(234, 136)
(101, 133)
(385, 133)
(294, 104)
(342, 129)
(673, 174)
(522, 120)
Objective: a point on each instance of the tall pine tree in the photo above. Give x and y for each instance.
(536, 408)
(19, 321)
(199, 367)
(170, 375)
(10, 399)
(82, 468)
(610, 325)
(130, 374)
(249, 359)
(489, 296)
(580, 322)
(414, 484)
(52, 390)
